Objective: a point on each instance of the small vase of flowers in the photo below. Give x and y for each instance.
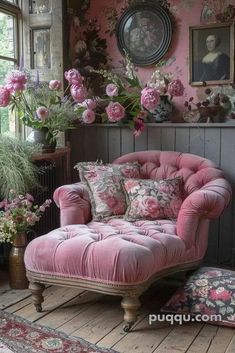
(17, 215)
(40, 105)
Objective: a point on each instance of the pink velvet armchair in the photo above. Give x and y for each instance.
(123, 258)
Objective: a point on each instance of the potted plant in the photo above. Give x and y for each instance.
(17, 171)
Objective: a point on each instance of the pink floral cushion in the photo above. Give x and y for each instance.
(152, 199)
(209, 291)
(84, 167)
(105, 189)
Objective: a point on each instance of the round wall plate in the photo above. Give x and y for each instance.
(144, 32)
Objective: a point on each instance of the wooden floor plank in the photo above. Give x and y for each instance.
(98, 328)
(212, 339)
(84, 317)
(12, 296)
(99, 319)
(231, 346)
(69, 310)
(53, 300)
(180, 338)
(24, 302)
(134, 342)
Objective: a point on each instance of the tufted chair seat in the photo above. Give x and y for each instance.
(120, 257)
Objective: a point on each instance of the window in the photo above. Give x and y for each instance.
(9, 53)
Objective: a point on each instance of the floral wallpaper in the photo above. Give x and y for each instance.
(93, 38)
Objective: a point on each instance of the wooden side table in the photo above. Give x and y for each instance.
(61, 158)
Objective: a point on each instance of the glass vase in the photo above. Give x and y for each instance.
(17, 272)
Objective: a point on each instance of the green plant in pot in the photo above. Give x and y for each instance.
(17, 172)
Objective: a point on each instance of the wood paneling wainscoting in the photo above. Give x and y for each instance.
(213, 141)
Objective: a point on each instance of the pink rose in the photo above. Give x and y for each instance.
(88, 116)
(16, 81)
(149, 206)
(219, 294)
(89, 103)
(74, 77)
(78, 93)
(4, 96)
(55, 85)
(42, 113)
(115, 202)
(150, 98)
(131, 184)
(115, 111)
(112, 90)
(176, 88)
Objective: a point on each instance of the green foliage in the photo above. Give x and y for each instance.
(17, 172)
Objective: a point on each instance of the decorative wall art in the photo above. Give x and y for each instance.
(211, 54)
(144, 32)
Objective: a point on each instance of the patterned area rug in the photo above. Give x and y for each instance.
(18, 335)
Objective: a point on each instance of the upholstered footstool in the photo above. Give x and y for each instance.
(118, 258)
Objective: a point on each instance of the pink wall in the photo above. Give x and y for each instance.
(186, 13)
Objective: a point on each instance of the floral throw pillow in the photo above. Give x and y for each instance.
(210, 293)
(85, 166)
(152, 199)
(105, 189)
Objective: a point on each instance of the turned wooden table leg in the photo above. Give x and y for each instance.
(130, 306)
(37, 290)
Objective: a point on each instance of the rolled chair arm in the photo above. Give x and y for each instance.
(74, 203)
(208, 202)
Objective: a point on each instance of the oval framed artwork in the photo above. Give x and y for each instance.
(144, 32)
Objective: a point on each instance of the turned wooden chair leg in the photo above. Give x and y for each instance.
(37, 290)
(130, 306)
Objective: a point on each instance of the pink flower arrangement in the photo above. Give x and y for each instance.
(43, 105)
(125, 100)
(18, 214)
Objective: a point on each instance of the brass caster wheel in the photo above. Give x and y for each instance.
(126, 327)
(38, 308)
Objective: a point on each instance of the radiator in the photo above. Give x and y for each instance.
(48, 176)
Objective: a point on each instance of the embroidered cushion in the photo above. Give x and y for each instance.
(152, 199)
(85, 166)
(209, 291)
(105, 189)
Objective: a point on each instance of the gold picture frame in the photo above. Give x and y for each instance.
(211, 54)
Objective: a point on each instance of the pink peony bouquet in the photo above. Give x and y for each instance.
(18, 214)
(41, 104)
(125, 100)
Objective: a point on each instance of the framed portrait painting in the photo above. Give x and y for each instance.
(211, 55)
(144, 32)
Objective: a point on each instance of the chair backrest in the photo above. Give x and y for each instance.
(196, 171)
